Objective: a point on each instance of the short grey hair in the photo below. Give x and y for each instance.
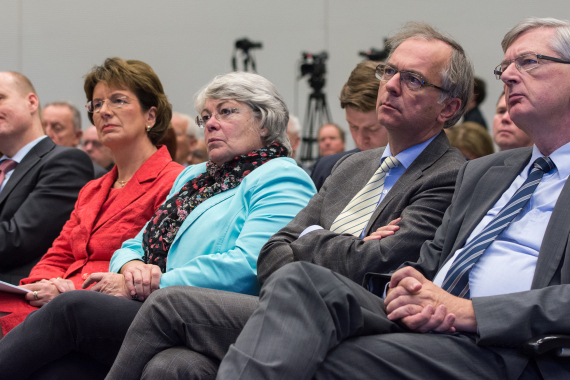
(193, 131)
(560, 43)
(75, 114)
(457, 77)
(267, 105)
(294, 125)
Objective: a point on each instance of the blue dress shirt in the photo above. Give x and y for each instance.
(508, 265)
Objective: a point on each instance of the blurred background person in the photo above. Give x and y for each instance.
(473, 113)
(131, 114)
(294, 134)
(61, 121)
(199, 154)
(331, 139)
(207, 234)
(186, 137)
(505, 133)
(169, 140)
(472, 140)
(101, 155)
(358, 99)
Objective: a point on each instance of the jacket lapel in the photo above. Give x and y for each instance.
(136, 187)
(487, 192)
(431, 153)
(30, 160)
(554, 241)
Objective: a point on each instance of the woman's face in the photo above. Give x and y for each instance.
(124, 125)
(232, 136)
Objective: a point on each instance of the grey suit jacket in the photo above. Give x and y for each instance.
(509, 320)
(420, 196)
(36, 202)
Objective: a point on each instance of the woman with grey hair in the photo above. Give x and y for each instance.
(207, 234)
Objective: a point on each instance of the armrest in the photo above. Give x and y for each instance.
(558, 345)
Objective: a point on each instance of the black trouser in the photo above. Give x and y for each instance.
(77, 327)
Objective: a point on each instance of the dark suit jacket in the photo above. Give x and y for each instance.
(509, 320)
(420, 196)
(324, 165)
(99, 171)
(36, 202)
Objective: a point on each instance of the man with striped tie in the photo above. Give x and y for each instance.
(495, 275)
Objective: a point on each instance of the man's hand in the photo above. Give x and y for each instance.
(45, 292)
(423, 306)
(141, 279)
(387, 230)
(108, 283)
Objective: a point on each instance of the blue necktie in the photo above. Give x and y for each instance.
(457, 279)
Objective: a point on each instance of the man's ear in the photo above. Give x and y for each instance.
(33, 103)
(78, 135)
(450, 108)
(151, 118)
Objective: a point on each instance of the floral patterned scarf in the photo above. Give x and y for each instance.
(163, 227)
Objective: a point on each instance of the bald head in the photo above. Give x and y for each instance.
(19, 113)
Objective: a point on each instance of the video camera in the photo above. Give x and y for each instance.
(314, 64)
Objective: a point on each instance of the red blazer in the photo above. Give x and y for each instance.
(85, 246)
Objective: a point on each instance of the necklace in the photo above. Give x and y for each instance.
(122, 183)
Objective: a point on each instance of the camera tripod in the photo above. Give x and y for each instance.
(317, 114)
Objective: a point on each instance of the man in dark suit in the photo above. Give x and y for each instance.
(39, 181)
(495, 275)
(412, 178)
(358, 98)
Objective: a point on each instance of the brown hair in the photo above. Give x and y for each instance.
(471, 138)
(361, 90)
(139, 78)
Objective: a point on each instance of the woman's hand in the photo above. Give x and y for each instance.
(108, 283)
(387, 230)
(42, 292)
(63, 285)
(142, 279)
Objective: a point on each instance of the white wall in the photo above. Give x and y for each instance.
(187, 42)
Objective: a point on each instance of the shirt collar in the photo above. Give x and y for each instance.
(18, 157)
(560, 157)
(406, 157)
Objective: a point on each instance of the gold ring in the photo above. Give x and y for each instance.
(35, 293)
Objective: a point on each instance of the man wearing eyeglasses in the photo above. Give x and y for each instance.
(495, 275)
(39, 181)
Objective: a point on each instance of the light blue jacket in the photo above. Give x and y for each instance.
(218, 244)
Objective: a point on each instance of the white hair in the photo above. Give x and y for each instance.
(267, 105)
(193, 131)
(560, 43)
(294, 125)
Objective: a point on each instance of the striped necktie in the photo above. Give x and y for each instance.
(355, 216)
(457, 278)
(5, 166)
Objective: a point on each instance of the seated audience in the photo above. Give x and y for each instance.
(358, 99)
(181, 123)
(294, 134)
(62, 123)
(208, 233)
(473, 113)
(39, 181)
(471, 140)
(495, 275)
(101, 155)
(505, 133)
(131, 113)
(199, 154)
(331, 139)
(191, 329)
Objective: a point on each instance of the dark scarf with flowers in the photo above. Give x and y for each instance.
(163, 227)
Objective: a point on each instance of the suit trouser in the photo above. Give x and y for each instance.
(314, 323)
(75, 336)
(182, 332)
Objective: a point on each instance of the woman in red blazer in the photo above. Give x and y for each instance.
(128, 107)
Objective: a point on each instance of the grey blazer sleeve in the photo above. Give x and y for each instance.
(44, 200)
